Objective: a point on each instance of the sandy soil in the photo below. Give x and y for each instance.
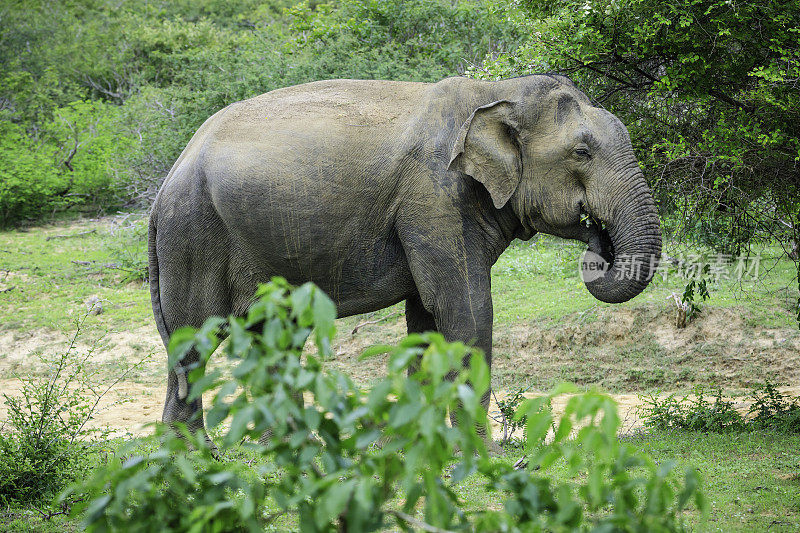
(137, 400)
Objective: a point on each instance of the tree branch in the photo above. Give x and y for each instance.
(728, 100)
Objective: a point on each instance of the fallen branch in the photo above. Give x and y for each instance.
(110, 266)
(113, 266)
(376, 321)
(424, 526)
(71, 235)
(47, 515)
(8, 289)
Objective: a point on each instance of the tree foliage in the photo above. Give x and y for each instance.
(129, 83)
(709, 90)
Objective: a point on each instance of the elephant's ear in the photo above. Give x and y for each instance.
(487, 149)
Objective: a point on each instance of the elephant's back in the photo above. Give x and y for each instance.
(314, 147)
(349, 102)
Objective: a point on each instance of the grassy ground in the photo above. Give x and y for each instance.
(49, 273)
(547, 329)
(751, 481)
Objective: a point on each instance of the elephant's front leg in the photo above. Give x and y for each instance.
(466, 316)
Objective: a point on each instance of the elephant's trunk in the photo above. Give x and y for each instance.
(623, 255)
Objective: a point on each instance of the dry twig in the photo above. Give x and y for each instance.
(376, 321)
(71, 235)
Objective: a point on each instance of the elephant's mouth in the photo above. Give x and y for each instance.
(622, 254)
(599, 256)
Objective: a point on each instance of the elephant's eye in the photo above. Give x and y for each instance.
(582, 152)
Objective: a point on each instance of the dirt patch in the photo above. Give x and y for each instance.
(21, 352)
(626, 351)
(128, 409)
(639, 349)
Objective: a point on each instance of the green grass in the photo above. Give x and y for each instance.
(47, 281)
(751, 481)
(538, 280)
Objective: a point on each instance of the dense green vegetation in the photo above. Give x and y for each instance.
(97, 98)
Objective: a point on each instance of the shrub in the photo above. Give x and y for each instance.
(45, 444)
(695, 414)
(773, 410)
(29, 184)
(508, 409)
(127, 245)
(339, 458)
(769, 410)
(69, 163)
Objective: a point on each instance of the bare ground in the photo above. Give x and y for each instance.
(627, 351)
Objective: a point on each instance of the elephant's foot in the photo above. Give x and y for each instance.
(193, 428)
(189, 415)
(493, 447)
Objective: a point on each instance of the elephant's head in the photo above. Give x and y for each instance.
(567, 168)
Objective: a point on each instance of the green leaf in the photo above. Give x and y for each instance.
(324, 314)
(436, 362)
(301, 304)
(333, 502)
(239, 424)
(536, 428)
(375, 349)
(363, 440)
(402, 414)
(479, 372)
(401, 359)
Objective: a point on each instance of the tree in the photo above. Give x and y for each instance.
(709, 91)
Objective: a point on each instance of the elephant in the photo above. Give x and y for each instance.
(387, 191)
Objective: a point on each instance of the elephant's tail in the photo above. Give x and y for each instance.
(155, 292)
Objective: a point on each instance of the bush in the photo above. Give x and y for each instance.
(508, 410)
(70, 163)
(339, 458)
(769, 410)
(29, 185)
(45, 444)
(772, 410)
(127, 245)
(696, 414)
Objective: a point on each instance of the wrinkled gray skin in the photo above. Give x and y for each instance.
(384, 191)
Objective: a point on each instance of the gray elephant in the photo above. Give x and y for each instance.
(383, 191)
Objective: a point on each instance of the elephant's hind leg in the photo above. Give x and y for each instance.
(418, 320)
(177, 408)
(193, 287)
